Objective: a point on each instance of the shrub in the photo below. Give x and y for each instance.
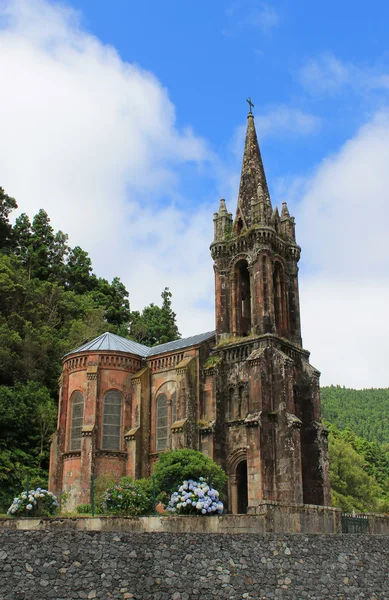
(34, 503)
(128, 497)
(102, 483)
(84, 509)
(195, 497)
(176, 466)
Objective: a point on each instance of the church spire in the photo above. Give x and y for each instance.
(254, 200)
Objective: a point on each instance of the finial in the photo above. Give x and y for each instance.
(251, 105)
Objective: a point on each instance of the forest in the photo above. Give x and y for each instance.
(51, 301)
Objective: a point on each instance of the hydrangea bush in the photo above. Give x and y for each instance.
(34, 503)
(195, 497)
(128, 497)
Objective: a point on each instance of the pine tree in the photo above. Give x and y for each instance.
(7, 205)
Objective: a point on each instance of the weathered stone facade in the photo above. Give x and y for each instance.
(245, 395)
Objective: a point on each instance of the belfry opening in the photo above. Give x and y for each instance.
(242, 299)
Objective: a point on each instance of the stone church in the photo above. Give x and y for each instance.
(245, 394)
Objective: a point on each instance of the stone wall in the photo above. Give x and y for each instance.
(270, 517)
(66, 565)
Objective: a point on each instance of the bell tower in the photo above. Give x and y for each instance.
(256, 258)
(268, 429)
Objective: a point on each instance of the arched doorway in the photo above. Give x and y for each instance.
(237, 481)
(241, 485)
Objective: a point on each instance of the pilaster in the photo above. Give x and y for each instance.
(88, 441)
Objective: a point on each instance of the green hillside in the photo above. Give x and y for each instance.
(366, 412)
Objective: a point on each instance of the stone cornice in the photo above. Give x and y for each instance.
(262, 341)
(265, 235)
(112, 454)
(72, 454)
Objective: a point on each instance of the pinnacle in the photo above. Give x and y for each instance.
(222, 207)
(284, 211)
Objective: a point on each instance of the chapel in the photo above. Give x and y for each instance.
(244, 394)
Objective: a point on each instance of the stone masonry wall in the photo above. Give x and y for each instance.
(65, 565)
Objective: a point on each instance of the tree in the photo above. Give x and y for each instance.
(113, 297)
(118, 309)
(59, 253)
(46, 413)
(90, 326)
(7, 205)
(22, 235)
(351, 487)
(79, 271)
(24, 437)
(175, 466)
(42, 245)
(155, 325)
(365, 411)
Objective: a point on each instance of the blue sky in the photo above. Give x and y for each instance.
(125, 121)
(211, 55)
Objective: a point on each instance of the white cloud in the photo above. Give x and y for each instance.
(265, 17)
(282, 120)
(251, 13)
(92, 139)
(324, 74)
(342, 228)
(327, 74)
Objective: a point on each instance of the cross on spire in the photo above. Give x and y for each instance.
(251, 105)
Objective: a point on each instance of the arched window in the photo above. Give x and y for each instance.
(112, 421)
(162, 422)
(174, 408)
(77, 407)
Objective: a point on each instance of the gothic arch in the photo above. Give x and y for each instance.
(167, 387)
(235, 458)
(237, 480)
(164, 413)
(242, 256)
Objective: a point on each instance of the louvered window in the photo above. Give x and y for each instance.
(112, 421)
(162, 423)
(77, 404)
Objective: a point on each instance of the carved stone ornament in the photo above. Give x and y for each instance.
(87, 430)
(178, 426)
(208, 427)
(91, 372)
(293, 421)
(131, 433)
(254, 420)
